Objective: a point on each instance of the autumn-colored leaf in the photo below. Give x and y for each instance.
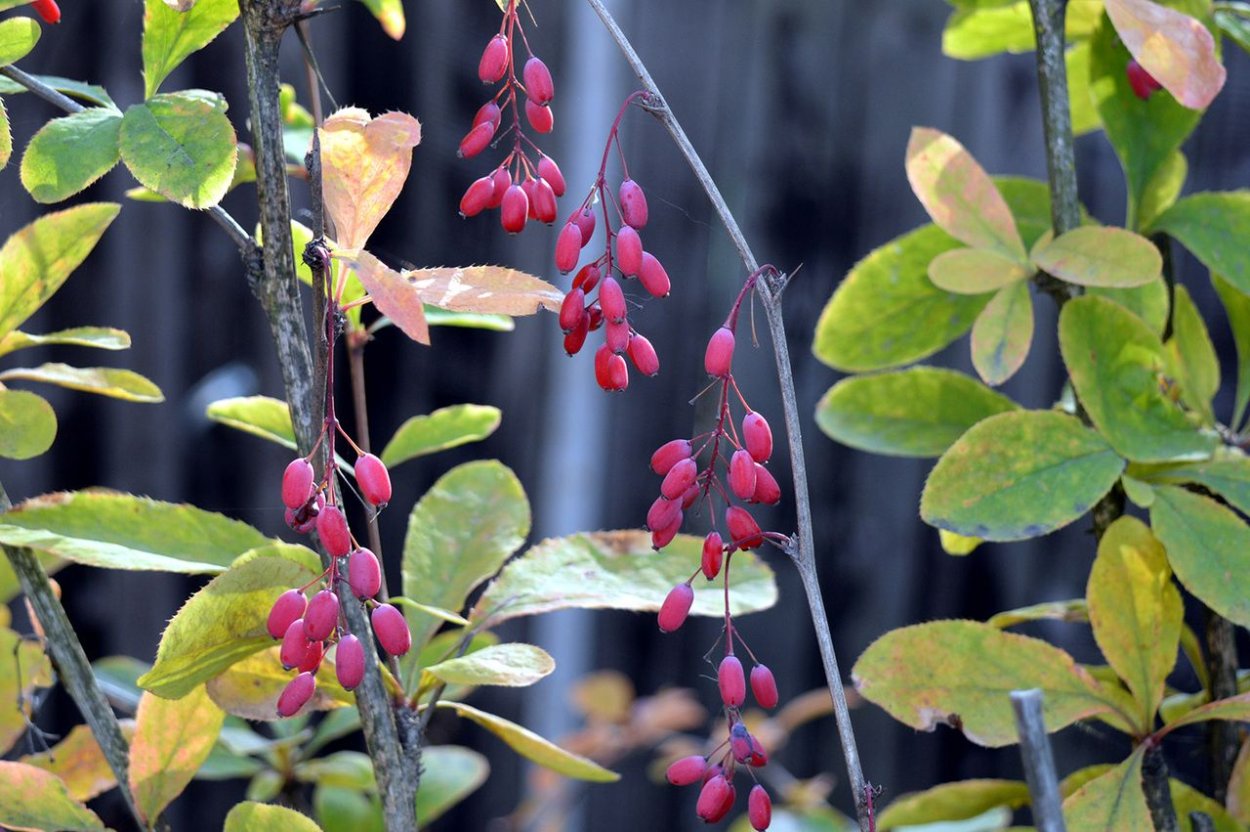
(1173, 47)
(172, 738)
(491, 289)
(1111, 801)
(392, 295)
(364, 163)
(34, 799)
(78, 761)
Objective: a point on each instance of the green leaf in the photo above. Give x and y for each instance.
(6, 136)
(18, 35)
(170, 36)
(1227, 474)
(960, 672)
(1232, 709)
(459, 534)
(1001, 480)
(974, 271)
(1186, 799)
(182, 146)
(1084, 115)
(1112, 801)
(105, 381)
(1149, 302)
(36, 260)
(446, 645)
(953, 801)
(1144, 134)
(959, 195)
(916, 412)
(1163, 189)
(34, 799)
(1135, 611)
(99, 337)
(390, 13)
(447, 427)
(1232, 21)
(1002, 334)
(70, 153)
(533, 747)
(1029, 200)
(887, 313)
(27, 424)
(122, 531)
(975, 33)
(1100, 256)
(172, 739)
(450, 774)
(347, 810)
(508, 665)
(438, 612)
(1208, 547)
(258, 817)
(1213, 227)
(1193, 357)
(1075, 610)
(1117, 367)
(1237, 308)
(468, 320)
(344, 769)
(91, 94)
(1238, 800)
(221, 624)
(617, 570)
(262, 416)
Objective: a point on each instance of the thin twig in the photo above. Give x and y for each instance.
(769, 290)
(1222, 737)
(1039, 761)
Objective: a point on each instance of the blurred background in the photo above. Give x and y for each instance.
(801, 109)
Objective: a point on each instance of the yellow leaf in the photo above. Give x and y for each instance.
(251, 687)
(79, 762)
(173, 737)
(31, 798)
(23, 667)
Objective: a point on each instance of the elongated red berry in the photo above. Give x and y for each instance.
(692, 494)
(767, 491)
(616, 373)
(549, 170)
(503, 181)
(759, 808)
(514, 210)
(476, 140)
(740, 742)
(575, 339)
(628, 251)
(541, 118)
(322, 616)
(537, 78)
(715, 800)
(616, 336)
(391, 629)
(1141, 81)
(763, 686)
(662, 536)
(349, 662)
(374, 480)
(364, 573)
(758, 756)
(669, 454)
(568, 247)
(742, 474)
(732, 682)
(528, 187)
(713, 552)
(295, 645)
(757, 436)
(718, 359)
(488, 112)
(662, 512)
(680, 477)
(297, 483)
(676, 607)
(296, 694)
(743, 530)
(47, 10)
(633, 204)
(478, 197)
(494, 61)
(286, 609)
(642, 353)
(686, 771)
(544, 201)
(612, 300)
(572, 310)
(332, 528)
(585, 219)
(587, 277)
(652, 276)
(312, 659)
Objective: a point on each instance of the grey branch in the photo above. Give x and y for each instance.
(1039, 762)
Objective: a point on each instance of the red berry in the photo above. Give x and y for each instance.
(662, 512)
(642, 353)
(374, 480)
(297, 484)
(573, 310)
(712, 771)
(692, 494)
(549, 170)
(349, 662)
(304, 519)
(669, 454)
(48, 10)
(715, 800)
(494, 61)
(478, 197)
(544, 201)
(541, 118)
(587, 277)
(288, 608)
(612, 300)
(364, 573)
(718, 359)
(312, 659)
(503, 181)
(740, 742)
(758, 756)
(1141, 81)
(514, 209)
(743, 530)
(662, 536)
(322, 616)
(757, 436)
(759, 808)
(680, 477)
(476, 140)
(767, 491)
(742, 474)
(391, 629)
(537, 77)
(576, 338)
(332, 528)
(633, 204)
(528, 187)
(488, 112)
(676, 607)
(686, 771)
(732, 682)
(763, 686)
(628, 251)
(616, 335)
(296, 694)
(616, 374)
(596, 316)
(653, 277)
(295, 645)
(585, 219)
(713, 551)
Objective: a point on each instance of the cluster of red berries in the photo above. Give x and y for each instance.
(308, 627)
(1142, 82)
(521, 189)
(47, 10)
(580, 314)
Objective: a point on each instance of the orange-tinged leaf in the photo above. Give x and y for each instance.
(79, 762)
(959, 195)
(32, 799)
(489, 289)
(1173, 47)
(1003, 333)
(23, 667)
(393, 296)
(973, 271)
(173, 737)
(250, 688)
(1233, 709)
(364, 163)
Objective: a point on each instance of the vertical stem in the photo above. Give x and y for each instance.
(1154, 771)
(1222, 736)
(1039, 761)
(1052, 77)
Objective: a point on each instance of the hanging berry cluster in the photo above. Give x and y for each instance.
(579, 314)
(307, 628)
(520, 188)
(735, 469)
